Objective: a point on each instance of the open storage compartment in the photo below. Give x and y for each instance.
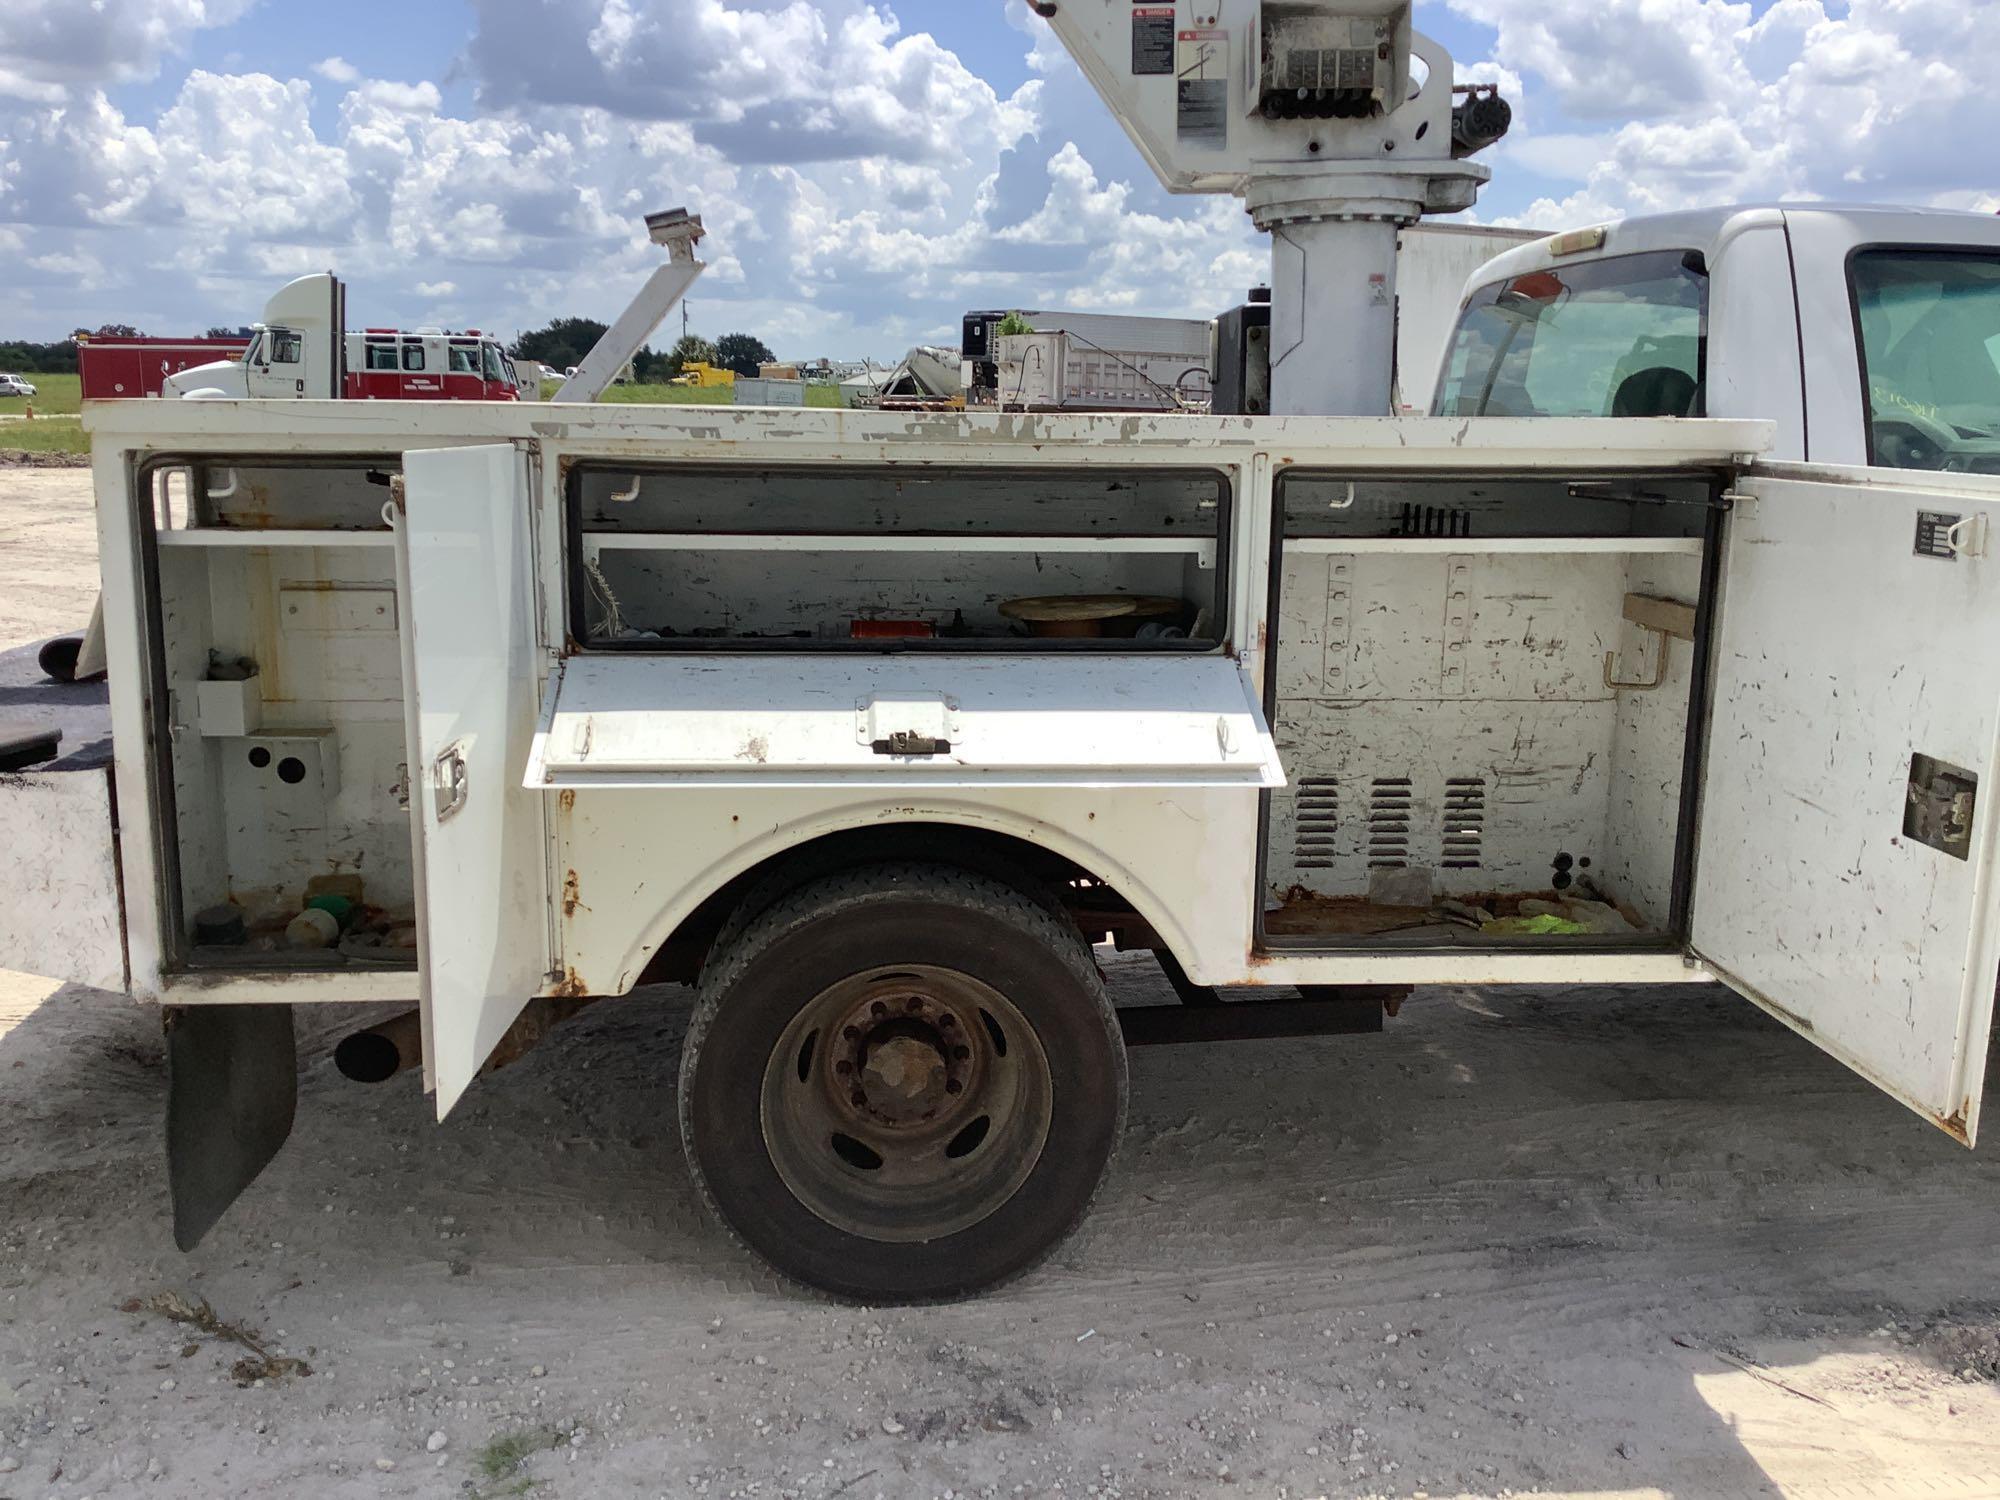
(904, 557)
(277, 708)
(945, 590)
(1483, 692)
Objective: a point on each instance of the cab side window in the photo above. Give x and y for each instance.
(413, 357)
(1930, 350)
(285, 346)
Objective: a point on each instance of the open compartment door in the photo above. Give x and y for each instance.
(903, 721)
(1847, 833)
(465, 571)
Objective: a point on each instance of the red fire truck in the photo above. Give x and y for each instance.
(113, 368)
(303, 349)
(429, 364)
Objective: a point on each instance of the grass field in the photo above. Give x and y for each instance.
(55, 396)
(55, 428)
(44, 435)
(685, 395)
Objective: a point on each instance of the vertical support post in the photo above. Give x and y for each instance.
(1333, 317)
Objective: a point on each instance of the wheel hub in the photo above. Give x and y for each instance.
(903, 1079)
(906, 1104)
(896, 1062)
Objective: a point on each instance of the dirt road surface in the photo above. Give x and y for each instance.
(1608, 1242)
(48, 552)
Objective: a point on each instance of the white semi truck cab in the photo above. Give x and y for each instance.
(296, 352)
(1864, 335)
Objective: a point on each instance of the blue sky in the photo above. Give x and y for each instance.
(868, 168)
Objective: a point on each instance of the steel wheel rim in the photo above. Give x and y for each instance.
(906, 1103)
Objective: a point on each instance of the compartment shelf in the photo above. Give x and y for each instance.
(1202, 549)
(1632, 546)
(215, 536)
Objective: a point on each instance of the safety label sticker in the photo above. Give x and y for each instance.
(1152, 40)
(1201, 71)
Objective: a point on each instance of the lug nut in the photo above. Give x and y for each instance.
(850, 1032)
(961, 1053)
(843, 1066)
(879, 1009)
(952, 1085)
(916, 1004)
(947, 1020)
(857, 1098)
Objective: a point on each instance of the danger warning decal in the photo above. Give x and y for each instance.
(1201, 71)
(1152, 40)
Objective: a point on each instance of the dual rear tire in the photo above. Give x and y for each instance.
(902, 1083)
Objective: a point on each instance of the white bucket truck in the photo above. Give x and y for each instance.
(868, 724)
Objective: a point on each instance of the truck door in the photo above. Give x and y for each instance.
(1847, 829)
(466, 575)
(278, 368)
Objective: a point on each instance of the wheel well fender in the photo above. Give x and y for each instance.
(1020, 850)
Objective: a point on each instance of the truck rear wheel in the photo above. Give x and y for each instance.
(903, 1083)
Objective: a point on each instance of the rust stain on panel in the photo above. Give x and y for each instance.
(570, 897)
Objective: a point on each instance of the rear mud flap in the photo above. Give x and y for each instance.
(232, 1089)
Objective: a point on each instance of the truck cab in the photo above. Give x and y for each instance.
(303, 351)
(295, 353)
(1867, 336)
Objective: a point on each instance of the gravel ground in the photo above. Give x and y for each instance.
(1594, 1242)
(48, 549)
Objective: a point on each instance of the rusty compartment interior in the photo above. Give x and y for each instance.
(1485, 727)
(278, 707)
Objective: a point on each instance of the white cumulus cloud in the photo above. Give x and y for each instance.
(1703, 101)
(50, 46)
(863, 183)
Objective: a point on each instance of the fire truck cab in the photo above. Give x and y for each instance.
(429, 364)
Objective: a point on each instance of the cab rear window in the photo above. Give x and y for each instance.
(1621, 337)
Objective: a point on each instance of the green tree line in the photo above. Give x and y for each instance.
(565, 341)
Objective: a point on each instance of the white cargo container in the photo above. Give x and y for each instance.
(1434, 262)
(1068, 372)
(1101, 361)
(769, 391)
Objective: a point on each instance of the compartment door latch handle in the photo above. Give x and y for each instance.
(449, 780)
(909, 742)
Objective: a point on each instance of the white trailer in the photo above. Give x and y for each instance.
(1068, 371)
(1434, 262)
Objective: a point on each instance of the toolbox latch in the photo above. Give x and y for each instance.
(910, 742)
